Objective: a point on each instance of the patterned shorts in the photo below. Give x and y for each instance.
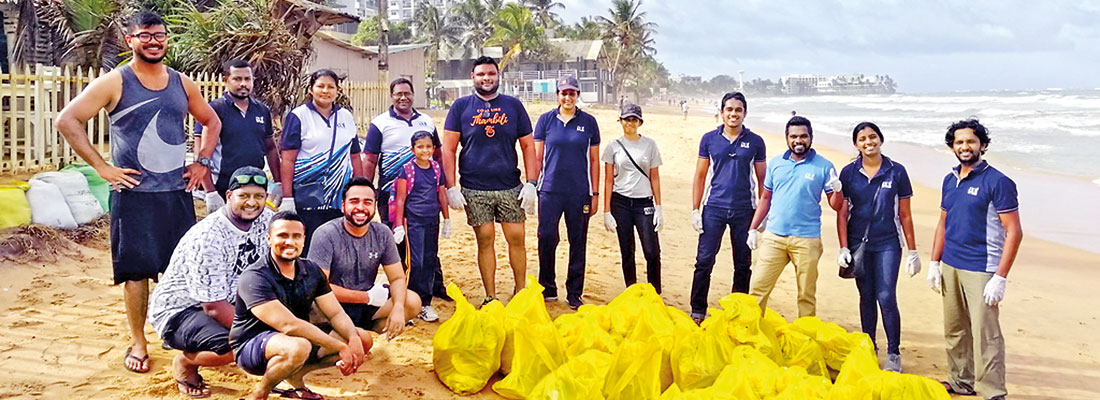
(487, 206)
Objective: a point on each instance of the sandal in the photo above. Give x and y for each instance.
(298, 393)
(952, 390)
(200, 386)
(143, 362)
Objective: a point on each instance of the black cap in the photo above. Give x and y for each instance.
(250, 172)
(630, 110)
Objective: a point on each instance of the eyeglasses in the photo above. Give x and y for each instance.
(145, 37)
(244, 179)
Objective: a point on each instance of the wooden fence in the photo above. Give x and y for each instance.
(31, 99)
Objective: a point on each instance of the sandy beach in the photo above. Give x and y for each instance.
(62, 335)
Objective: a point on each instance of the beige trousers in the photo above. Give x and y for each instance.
(972, 330)
(772, 255)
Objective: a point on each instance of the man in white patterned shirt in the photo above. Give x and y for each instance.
(191, 308)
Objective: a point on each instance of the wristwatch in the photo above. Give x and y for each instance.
(205, 161)
(595, 193)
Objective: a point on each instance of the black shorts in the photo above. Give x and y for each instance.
(362, 315)
(145, 228)
(192, 331)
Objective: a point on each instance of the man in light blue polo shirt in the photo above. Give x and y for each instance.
(567, 142)
(794, 183)
(976, 240)
(731, 162)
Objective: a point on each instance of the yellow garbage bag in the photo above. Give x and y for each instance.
(740, 314)
(861, 379)
(581, 332)
(797, 384)
(538, 352)
(466, 348)
(750, 375)
(655, 326)
(14, 209)
(698, 358)
(635, 372)
(893, 385)
(640, 299)
(579, 378)
(527, 307)
(835, 342)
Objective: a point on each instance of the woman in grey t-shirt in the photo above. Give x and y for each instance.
(632, 195)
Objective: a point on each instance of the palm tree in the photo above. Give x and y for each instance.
(543, 12)
(438, 29)
(631, 34)
(86, 29)
(477, 19)
(585, 29)
(516, 32)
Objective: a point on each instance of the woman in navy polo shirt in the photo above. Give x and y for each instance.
(320, 151)
(567, 142)
(876, 197)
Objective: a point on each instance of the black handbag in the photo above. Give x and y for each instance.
(855, 268)
(312, 195)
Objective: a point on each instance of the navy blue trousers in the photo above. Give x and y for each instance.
(551, 208)
(715, 222)
(878, 288)
(422, 257)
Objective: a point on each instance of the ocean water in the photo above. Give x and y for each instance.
(1045, 140)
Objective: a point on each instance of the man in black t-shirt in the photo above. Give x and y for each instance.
(271, 334)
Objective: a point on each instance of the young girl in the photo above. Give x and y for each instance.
(421, 196)
(632, 196)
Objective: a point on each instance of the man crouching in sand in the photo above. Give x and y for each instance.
(271, 334)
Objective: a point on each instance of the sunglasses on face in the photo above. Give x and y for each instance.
(145, 37)
(257, 179)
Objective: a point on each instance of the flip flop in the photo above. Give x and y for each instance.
(200, 386)
(299, 393)
(951, 389)
(143, 361)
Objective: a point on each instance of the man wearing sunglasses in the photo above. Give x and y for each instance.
(247, 137)
(191, 308)
(147, 103)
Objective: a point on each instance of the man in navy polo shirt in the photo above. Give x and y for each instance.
(976, 240)
(793, 185)
(567, 142)
(246, 138)
(488, 124)
(730, 157)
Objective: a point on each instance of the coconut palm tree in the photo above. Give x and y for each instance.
(585, 29)
(626, 27)
(517, 32)
(477, 19)
(434, 26)
(543, 12)
(86, 30)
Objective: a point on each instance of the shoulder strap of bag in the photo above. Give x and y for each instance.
(874, 205)
(625, 151)
(410, 176)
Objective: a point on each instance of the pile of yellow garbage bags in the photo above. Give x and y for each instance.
(637, 348)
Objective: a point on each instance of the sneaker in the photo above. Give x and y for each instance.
(575, 303)
(893, 363)
(487, 300)
(550, 298)
(698, 318)
(428, 314)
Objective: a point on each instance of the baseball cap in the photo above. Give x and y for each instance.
(568, 82)
(248, 175)
(630, 110)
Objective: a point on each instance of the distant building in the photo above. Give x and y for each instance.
(837, 84)
(403, 10)
(363, 9)
(695, 80)
(360, 64)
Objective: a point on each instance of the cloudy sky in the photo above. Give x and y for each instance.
(927, 46)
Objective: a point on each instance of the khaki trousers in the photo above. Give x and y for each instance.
(772, 255)
(972, 330)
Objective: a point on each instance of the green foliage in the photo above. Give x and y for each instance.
(585, 29)
(631, 37)
(370, 30)
(543, 12)
(517, 33)
(476, 19)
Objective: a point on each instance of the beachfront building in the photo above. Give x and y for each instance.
(363, 9)
(333, 50)
(532, 80)
(837, 84)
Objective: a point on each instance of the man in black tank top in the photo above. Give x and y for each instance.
(151, 203)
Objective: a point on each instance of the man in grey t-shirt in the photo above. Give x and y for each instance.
(349, 250)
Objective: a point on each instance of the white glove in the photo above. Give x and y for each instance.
(834, 182)
(658, 220)
(275, 193)
(845, 258)
(378, 295)
(697, 220)
(399, 234)
(994, 290)
(287, 204)
(213, 202)
(455, 199)
(935, 277)
(529, 198)
(912, 264)
(609, 222)
(751, 241)
(446, 230)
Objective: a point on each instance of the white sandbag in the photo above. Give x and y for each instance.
(48, 206)
(79, 197)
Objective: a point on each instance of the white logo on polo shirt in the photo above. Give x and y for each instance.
(580, 129)
(744, 145)
(887, 184)
(260, 120)
(810, 176)
(972, 191)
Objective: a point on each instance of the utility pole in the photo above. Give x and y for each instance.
(383, 41)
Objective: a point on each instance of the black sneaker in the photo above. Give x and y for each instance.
(575, 303)
(487, 301)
